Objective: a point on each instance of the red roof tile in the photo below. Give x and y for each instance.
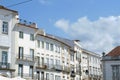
(114, 52)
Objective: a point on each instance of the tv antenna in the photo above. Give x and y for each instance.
(19, 3)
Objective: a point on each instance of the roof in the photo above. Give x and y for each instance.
(114, 52)
(29, 26)
(55, 38)
(90, 52)
(2, 7)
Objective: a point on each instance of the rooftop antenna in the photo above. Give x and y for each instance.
(19, 3)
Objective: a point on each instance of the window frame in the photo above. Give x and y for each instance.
(21, 34)
(32, 37)
(5, 25)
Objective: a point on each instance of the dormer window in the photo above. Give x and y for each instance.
(5, 27)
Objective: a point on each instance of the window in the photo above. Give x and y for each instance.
(5, 27)
(38, 75)
(51, 63)
(4, 56)
(31, 72)
(20, 34)
(42, 44)
(42, 60)
(55, 48)
(38, 61)
(116, 72)
(78, 56)
(38, 43)
(57, 62)
(51, 47)
(72, 57)
(58, 49)
(47, 76)
(47, 45)
(20, 70)
(32, 54)
(4, 63)
(20, 56)
(47, 60)
(52, 77)
(57, 77)
(32, 37)
(42, 75)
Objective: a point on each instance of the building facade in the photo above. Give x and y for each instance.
(91, 65)
(111, 64)
(7, 23)
(31, 53)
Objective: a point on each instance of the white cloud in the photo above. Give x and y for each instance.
(44, 2)
(64, 24)
(99, 35)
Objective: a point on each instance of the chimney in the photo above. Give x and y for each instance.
(33, 25)
(103, 54)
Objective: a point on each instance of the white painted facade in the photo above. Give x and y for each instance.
(34, 54)
(91, 65)
(111, 67)
(7, 21)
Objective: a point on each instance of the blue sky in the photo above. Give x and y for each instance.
(94, 22)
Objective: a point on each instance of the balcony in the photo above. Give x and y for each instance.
(25, 57)
(58, 67)
(41, 66)
(26, 76)
(4, 65)
(66, 69)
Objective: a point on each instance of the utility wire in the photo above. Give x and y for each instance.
(19, 3)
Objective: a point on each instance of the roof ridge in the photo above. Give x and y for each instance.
(114, 52)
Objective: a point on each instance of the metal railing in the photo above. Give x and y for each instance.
(4, 65)
(41, 66)
(66, 69)
(26, 75)
(58, 67)
(26, 57)
(49, 66)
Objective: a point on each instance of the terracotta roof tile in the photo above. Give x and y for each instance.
(114, 52)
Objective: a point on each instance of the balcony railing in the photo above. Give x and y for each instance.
(26, 75)
(66, 69)
(4, 65)
(58, 67)
(41, 66)
(49, 66)
(26, 57)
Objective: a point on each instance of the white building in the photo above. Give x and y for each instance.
(111, 64)
(75, 58)
(31, 53)
(7, 22)
(91, 65)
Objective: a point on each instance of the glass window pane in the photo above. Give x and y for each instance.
(5, 27)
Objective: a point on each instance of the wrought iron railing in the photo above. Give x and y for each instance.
(4, 65)
(66, 69)
(26, 57)
(26, 75)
